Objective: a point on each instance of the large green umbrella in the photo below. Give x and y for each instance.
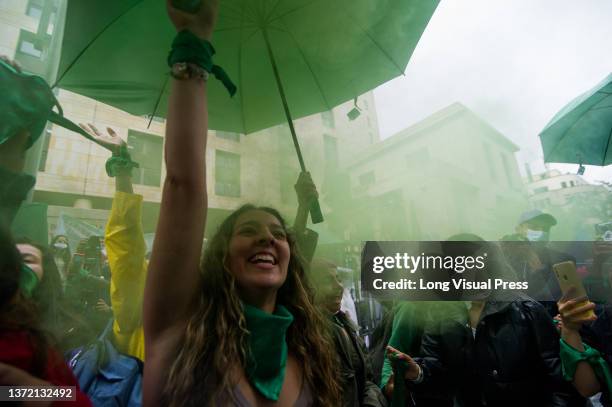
(289, 58)
(581, 132)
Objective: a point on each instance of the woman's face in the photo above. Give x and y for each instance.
(258, 253)
(33, 258)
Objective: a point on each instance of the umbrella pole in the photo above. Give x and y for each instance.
(315, 210)
(281, 91)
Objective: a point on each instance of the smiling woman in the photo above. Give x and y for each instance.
(254, 309)
(239, 328)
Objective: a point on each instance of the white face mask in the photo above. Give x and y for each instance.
(60, 245)
(535, 235)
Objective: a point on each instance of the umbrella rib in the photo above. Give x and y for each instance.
(568, 130)
(92, 41)
(299, 48)
(291, 11)
(380, 48)
(161, 93)
(240, 75)
(273, 9)
(603, 160)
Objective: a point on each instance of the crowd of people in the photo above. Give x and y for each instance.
(254, 318)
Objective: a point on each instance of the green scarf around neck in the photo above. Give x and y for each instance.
(267, 353)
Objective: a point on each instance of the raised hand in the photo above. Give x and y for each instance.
(573, 312)
(306, 190)
(112, 142)
(201, 23)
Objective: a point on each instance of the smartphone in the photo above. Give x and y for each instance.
(568, 278)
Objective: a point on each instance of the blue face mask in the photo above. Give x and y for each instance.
(537, 235)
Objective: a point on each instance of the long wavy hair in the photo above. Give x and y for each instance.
(17, 313)
(214, 347)
(48, 293)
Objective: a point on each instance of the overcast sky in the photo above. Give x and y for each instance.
(513, 62)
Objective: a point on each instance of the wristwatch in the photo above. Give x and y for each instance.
(188, 70)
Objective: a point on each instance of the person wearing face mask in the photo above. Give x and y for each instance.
(530, 255)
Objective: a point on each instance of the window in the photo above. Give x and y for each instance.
(34, 9)
(51, 24)
(147, 150)
(227, 174)
(28, 45)
(42, 164)
(328, 119)
(228, 135)
(572, 183)
(564, 185)
(367, 179)
(330, 150)
(540, 190)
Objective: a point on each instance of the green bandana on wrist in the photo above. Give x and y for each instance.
(187, 47)
(27, 281)
(570, 357)
(120, 162)
(267, 354)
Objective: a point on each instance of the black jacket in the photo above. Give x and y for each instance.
(358, 388)
(513, 360)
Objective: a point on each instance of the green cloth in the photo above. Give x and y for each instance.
(187, 47)
(405, 338)
(122, 161)
(570, 357)
(267, 353)
(398, 398)
(327, 52)
(26, 102)
(27, 281)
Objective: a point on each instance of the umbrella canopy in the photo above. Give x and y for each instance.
(326, 52)
(581, 132)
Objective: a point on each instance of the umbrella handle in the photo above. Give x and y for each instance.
(315, 212)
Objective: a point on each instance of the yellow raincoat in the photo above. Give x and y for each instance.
(126, 249)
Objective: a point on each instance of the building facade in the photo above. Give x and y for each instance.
(577, 204)
(450, 173)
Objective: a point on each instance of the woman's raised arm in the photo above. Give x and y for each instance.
(173, 276)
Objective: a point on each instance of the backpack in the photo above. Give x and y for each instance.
(109, 378)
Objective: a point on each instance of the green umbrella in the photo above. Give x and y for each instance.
(581, 132)
(289, 58)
